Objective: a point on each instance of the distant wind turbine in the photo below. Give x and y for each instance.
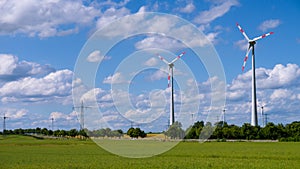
(252, 43)
(224, 110)
(170, 84)
(262, 106)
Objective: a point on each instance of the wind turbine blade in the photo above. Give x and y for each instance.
(263, 36)
(169, 77)
(164, 60)
(178, 57)
(246, 58)
(242, 31)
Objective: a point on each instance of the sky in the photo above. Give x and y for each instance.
(52, 59)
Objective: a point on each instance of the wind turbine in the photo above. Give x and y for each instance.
(52, 119)
(262, 106)
(224, 110)
(170, 84)
(262, 114)
(252, 43)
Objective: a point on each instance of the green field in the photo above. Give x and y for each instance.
(29, 152)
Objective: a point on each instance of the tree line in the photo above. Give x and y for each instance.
(221, 130)
(104, 132)
(46, 132)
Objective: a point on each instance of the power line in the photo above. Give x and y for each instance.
(266, 118)
(82, 107)
(4, 124)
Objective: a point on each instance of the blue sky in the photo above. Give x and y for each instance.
(40, 42)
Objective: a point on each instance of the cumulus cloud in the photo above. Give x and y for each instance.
(116, 78)
(92, 95)
(96, 56)
(110, 15)
(216, 10)
(189, 8)
(242, 44)
(8, 64)
(16, 113)
(269, 24)
(57, 115)
(278, 88)
(32, 89)
(278, 77)
(159, 42)
(157, 75)
(13, 69)
(151, 62)
(45, 18)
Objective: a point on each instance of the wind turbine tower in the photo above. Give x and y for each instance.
(262, 114)
(170, 84)
(52, 119)
(252, 43)
(224, 110)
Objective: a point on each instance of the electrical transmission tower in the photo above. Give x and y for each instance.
(82, 107)
(266, 118)
(4, 124)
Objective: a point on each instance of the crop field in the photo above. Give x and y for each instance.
(28, 152)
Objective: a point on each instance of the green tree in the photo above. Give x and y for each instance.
(130, 132)
(175, 131)
(73, 133)
(45, 131)
(136, 132)
(82, 133)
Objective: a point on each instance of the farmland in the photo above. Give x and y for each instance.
(28, 152)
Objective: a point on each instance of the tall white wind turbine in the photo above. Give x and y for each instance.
(170, 84)
(252, 42)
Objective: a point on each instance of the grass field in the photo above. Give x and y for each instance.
(28, 152)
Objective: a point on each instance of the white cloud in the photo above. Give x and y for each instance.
(57, 115)
(151, 62)
(95, 56)
(16, 114)
(142, 9)
(92, 95)
(215, 11)
(281, 94)
(116, 78)
(110, 15)
(56, 84)
(282, 76)
(278, 88)
(13, 69)
(160, 42)
(189, 8)
(157, 75)
(269, 24)
(155, 23)
(7, 64)
(242, 44)
(278, 77)
(212, 37)
(235, 95)
(44, 18)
